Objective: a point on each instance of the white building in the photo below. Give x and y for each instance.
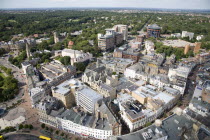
(159, 80)
(187, 34)
(84, 125)
(150, 46)
(41, 40)
(182, 71)
(76, 56)
(200, 107)
(87, 98)
(178, 35)
(134, 71)
(25, 65)
(137, 117)
(199, 37)
(148, 104)
(36, 94)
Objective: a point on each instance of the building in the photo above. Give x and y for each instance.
(87, 98)
(134, 115)
(148, 103)
(36, 95)
(187, 34)
(70, 44)
(48, 108)
(65, 92)
(149, 47)
(206, 95)
(25, 65)
(175, 127)
(134, 71)
(199, 37)
(117, 65)
(176, 35)
(140, 38)
(200, 106)
(122, 29)
(77, 56)
(127, 53)
(113, 37)
(83, 124)
(153, 31)
(28, 53)
(187, 46)
(78, 122)
(197, 47)
(106, 42)
(40, 40)
(56, 38)
(76, 33)
(55, 70)
(136, 45)
(102, 80)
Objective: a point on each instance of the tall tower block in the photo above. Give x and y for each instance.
(56, 39)
(27, 50)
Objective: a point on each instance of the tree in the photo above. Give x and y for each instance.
(46, 128)
(9, 71)
(31, 127)
(190, 54)
(165, 115)
(2, 51)
(67, 60)
(58, 46)
(114, 73)
(80, 66)
(20, 126)
(43, 125)
(179, 103)
(61, 59)
(57, 132)
(148, 124)
(26, 126)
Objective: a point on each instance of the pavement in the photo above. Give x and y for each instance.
(30, 114)
(19, 75)
(14, 117)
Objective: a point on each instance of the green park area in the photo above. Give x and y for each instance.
(8, 84)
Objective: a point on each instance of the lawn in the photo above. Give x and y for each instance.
(11, 20)
(75, 20)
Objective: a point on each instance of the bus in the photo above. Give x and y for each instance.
(44, 138)
(1, 138)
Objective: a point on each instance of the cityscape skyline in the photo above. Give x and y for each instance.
(162, 4)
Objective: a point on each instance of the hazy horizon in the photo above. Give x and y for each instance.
(158, 4)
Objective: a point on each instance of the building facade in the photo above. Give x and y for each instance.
(153, 31)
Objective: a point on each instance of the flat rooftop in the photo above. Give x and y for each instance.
(177, 43)
(88, 92)
(66, 86)
(164, 97)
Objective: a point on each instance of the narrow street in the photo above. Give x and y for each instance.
(189, 91)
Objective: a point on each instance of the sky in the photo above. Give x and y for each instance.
(169, 4)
